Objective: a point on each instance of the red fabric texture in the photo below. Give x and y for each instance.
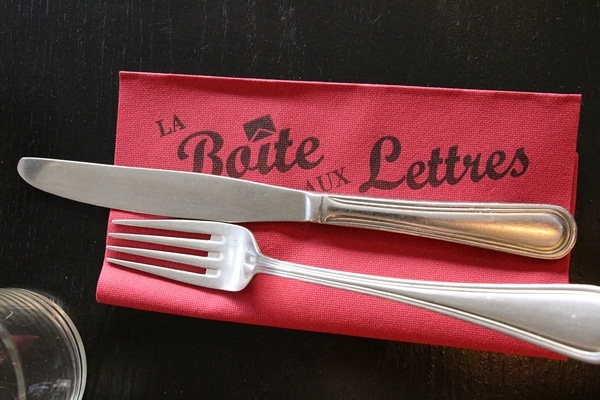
(371, 140)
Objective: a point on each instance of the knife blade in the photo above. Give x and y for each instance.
(533, 230)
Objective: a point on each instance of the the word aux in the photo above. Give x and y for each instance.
(328, 181)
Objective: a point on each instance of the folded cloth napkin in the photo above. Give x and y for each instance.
(371, 140)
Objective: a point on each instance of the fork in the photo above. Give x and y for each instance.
(563, 318)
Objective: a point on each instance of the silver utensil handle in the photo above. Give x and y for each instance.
(561, 318)
(533, 230)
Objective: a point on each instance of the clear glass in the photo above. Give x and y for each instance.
(41, 353)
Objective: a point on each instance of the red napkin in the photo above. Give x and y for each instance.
(372, 140)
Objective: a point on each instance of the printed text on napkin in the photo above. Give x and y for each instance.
(371, 140)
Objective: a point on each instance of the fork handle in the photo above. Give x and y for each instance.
(561, 318)
(533, 230)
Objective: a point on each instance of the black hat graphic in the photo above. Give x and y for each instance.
(259, 128)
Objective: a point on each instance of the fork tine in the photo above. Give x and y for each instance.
(189, 226)
(186, 243)
(192, 278)
(210, 262)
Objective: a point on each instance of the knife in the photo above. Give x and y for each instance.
(533, 230)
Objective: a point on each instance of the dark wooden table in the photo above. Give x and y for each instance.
(59, 63)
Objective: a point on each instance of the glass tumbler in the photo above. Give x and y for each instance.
(41, 352)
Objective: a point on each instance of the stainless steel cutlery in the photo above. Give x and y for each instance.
(533, 230)
(561, 318)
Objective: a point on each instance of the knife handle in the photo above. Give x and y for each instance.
(533, 230)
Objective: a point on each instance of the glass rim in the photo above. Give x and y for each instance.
(60, 320)
(15, 360)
